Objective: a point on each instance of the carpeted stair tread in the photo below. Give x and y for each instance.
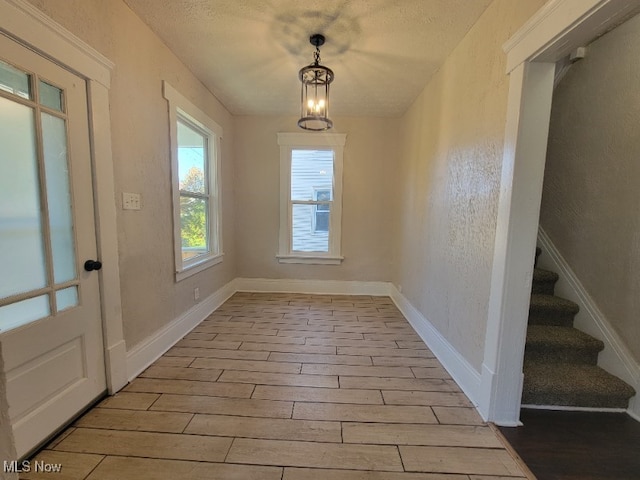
(544, 281)
(547, 343)
(560, 362)
(573, 385)
(551, 310)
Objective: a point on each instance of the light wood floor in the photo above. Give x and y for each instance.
(293, 387)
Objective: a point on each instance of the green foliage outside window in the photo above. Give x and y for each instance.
(193, 216)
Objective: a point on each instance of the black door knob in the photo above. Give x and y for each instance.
(90, 265)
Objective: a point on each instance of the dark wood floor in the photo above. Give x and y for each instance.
(578, 445)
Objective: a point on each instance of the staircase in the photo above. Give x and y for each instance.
(560, 362)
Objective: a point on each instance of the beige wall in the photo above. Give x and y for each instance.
(370, 162)
(591, 195)
(140, 131)
(450, 165)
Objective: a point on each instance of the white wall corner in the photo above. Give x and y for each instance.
(616, 357)
(116, 367)
(467, 377)
(504, 413)
(153, 347)
(321, 287)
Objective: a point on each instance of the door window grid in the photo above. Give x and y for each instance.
(19, 306)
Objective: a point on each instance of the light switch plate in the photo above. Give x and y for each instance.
(131, 201)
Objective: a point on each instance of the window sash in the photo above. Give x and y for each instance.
(296, 141)
(182, 111)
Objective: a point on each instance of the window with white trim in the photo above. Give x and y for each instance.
(310, 197)
(195, 179)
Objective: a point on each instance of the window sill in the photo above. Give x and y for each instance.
(199, 266)
(310, 259)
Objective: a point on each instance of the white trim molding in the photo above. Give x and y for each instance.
(289, 142)
(467, 377)
(321, 287)
(616, 357)
(558, 28)
(153, 347)
(149, 350)
(181, 110)
(29, 26)
(561, 26)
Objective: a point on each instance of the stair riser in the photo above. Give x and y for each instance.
(545, 288)
(574, 400)
(547, 317)
(543, 355)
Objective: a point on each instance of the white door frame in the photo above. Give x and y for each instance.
(557, 29)
(30, 27)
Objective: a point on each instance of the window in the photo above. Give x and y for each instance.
(310, 197)
(321, 211)
(195, 167)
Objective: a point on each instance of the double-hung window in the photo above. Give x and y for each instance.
(310, 197)
(195, 167)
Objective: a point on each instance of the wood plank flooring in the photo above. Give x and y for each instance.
(559, 445)
(288, 387)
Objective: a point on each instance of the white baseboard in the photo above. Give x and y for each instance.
(116, 367)
(329, 287)
(467, 377)
(616, 357)
(149, 350)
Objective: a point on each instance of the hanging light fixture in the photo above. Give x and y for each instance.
(314, 97)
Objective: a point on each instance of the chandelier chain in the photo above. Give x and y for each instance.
(316, 56)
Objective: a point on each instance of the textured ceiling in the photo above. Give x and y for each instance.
(248, 52)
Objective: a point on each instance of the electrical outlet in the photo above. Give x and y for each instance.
(196, 293)
(131, 201)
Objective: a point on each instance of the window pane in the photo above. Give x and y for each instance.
(67, 298)
(194, 227)
(50, 96)
(14, 81)
(304, 236)
(21, 313)
(311, 170)
(54, 144)
(22, 261)
(322, 220)
(192, 157)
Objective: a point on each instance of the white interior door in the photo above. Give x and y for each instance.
(50, 320)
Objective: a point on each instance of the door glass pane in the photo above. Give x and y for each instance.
(20, 313)
(54, 145)
(192, 156)
(311, 170)
(67, 298)
(22, 260)
(14, 81)
(305, 237)
(194, 227)
(51, 96)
